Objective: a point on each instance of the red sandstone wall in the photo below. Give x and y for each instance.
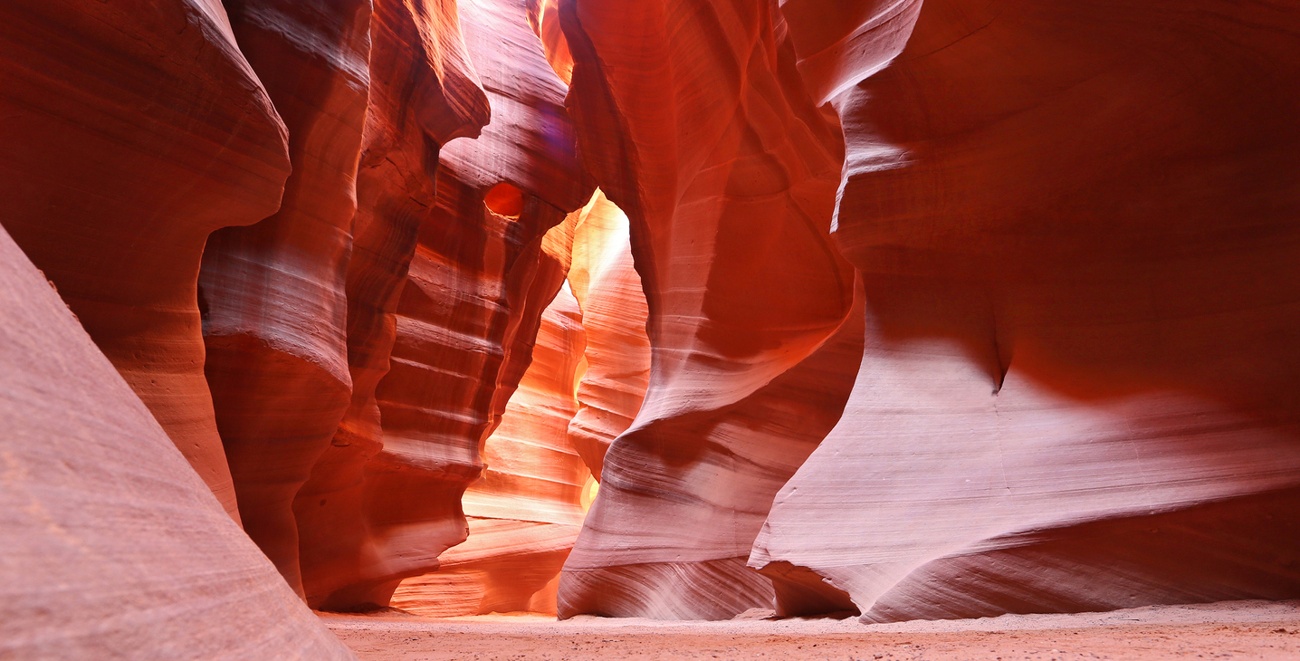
(113, 546)
(117, 164)
(1076, 225)
(1059, 300)
(694, 121)
(274, 306)
(424, 93)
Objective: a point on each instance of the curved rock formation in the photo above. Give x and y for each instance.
(694, 121)
(423, 94)
(467, 315)
(274, 306)
(617, 351)
(133, 130)
(524, 513)
(1076, 226)
(114, 548)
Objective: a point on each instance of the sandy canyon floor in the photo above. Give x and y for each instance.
(1229, 630)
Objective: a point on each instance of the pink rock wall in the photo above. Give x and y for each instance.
(118, 163)
(114, 547)
(274, 306)
(693, 120)
(1076, 228)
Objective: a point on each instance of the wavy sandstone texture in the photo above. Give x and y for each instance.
(467, 315)
(693, 120)
(423, 94)
(114, 548)
(524, 513)
(1076, 226)
(274, 306)
(616, 355)
(131, 131)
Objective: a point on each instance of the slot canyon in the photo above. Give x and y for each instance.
(452, 329)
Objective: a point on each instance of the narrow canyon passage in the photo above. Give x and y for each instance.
(678, 321)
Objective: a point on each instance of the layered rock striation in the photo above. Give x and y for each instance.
(464, 321)
(525, 511)
(1076, 227)
(424, 93)
(132, 131)
(114, 547)
(272, 294)
(693, 120)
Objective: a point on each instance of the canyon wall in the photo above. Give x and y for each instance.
(132, 131)
(463, 321)
(525, 511)
(114, 547)
(272, 294)
(1076, 226)
(424, 93)
(915, 308)
(693, 120)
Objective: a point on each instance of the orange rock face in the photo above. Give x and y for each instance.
(616, 355)
(114, 548)
(118, 162)
(1076, 225)
(524, 513)
(274, 306)
(423, 94)
(729, 186)
(465, 318)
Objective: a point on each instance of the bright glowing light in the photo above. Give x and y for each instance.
(589, 491)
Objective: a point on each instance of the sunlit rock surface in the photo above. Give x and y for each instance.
(274, 307)
(1076, 225)
(693, 120)
(468, 313)
(423, 94)
(113, 546)
(524, 513)
(920, 309)
(616, 355)
(131, 131)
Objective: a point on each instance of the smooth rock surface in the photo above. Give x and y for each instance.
(272, 294)
(694, 121)
(113, 547)
(131, 131)
(1076, 226)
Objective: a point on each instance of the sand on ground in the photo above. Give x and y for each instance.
(1227, 630)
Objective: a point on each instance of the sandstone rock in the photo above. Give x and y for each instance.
(467, 315)
(273, 294)
(114, 548)
(694, 121)
(423, 94)
(1076, 226)
(616, 355)
(524, 513)
(133, 130)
